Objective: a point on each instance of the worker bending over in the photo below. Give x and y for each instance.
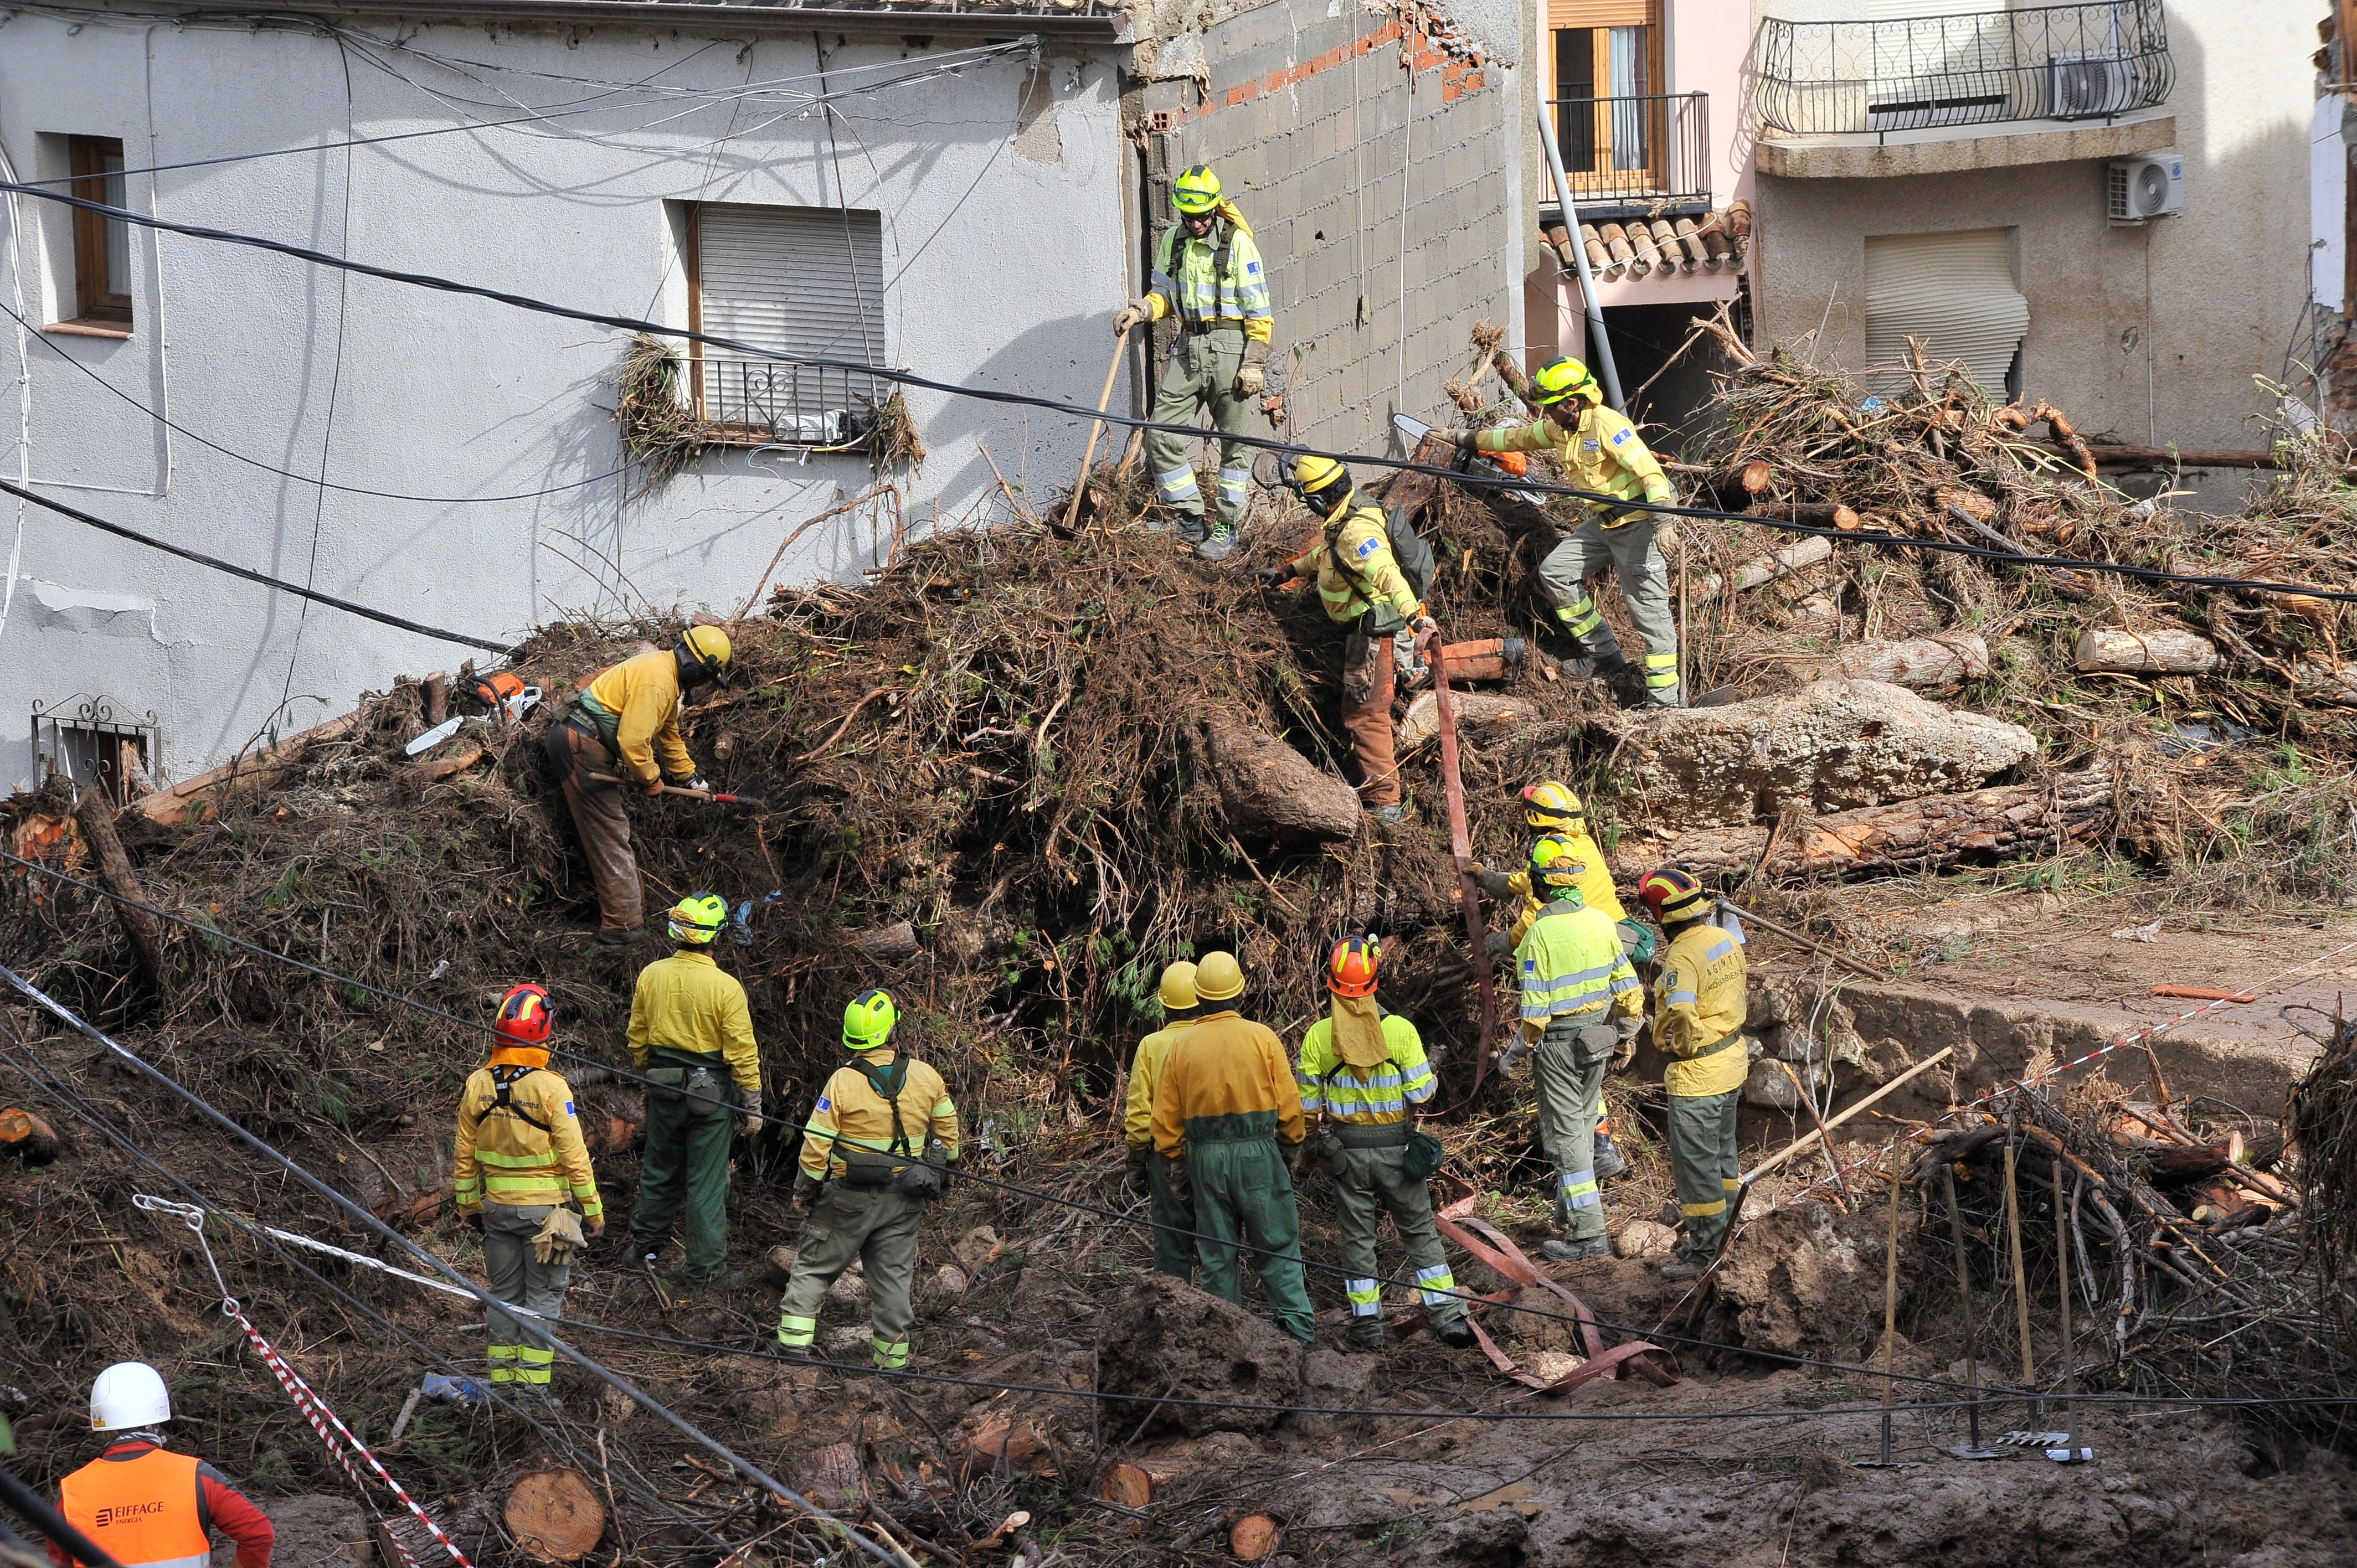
(625, 723)
(1700, 999)
(1174, 1245)
(1361, 1069)
(520, 1159)
(691, 1035)
(1226, 1101)
(1582, 1004)
(145, 1506)
(1599, 450)
(874, 1154)
(1208, 274)
(1362, 585)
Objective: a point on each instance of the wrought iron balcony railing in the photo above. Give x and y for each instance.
(2061, 62)
(1651, 152)
(773, 401)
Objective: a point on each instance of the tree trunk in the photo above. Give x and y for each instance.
(146, 938)
(1949, 659)
(1797, 556)
(2165, 650)
(1271, 792)
(1481, 715)
(24, 1133)
(554, 1516)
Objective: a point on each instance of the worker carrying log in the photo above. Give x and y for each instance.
(1599, 450)
(1582, 1006)
(520, 1160)
(1373, 581)
(691, 1035)
(876, 1150)
(1363, 1070)
(1208, 274)
(145, 1505)
(1700, 1001)
(1174, 1223)
(626, 722)
(1226, 1107)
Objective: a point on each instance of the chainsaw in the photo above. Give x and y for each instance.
(1415, 430)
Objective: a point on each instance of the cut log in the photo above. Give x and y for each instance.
(1007, 1442)
(2164, 650)
(192, 801)
(434, 769)
(554, 1516)
(28, 1137)
(1491, 659)
(832, 1476)
(1799, 556)
(1481, 716)
(1127, 1486)
(2006, 821)
(96, 819)
(895, 943)
(2326, 683)
(1253, 1538)
(1948, 660)
(434, 691)
(1273, 793)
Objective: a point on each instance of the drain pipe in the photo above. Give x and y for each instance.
(1595, 336)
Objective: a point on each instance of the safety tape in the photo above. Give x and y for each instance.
(336, 1436)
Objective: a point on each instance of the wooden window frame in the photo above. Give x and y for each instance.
(96, 308)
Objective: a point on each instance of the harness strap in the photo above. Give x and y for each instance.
(503, 1082)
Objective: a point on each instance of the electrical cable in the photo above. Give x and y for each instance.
(1025, 400)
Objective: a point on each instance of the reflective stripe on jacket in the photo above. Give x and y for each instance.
(1700, 999)
(1191, 282)
(689, 1004)
(1145, 1077)
(1330, 1085)
(634, 706)
(1571, 962)
(850, 1113)
(1355, 567)
(1601, 451)
(1227, 1076)
(526, 1152)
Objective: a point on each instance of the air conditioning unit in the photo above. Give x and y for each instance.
(2152, 186)
(2087, 87)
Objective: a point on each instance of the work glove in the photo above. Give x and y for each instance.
(1133, 1174)
(1625, 1051)
(698, 782)
(1512, 1057)
(750, 1099)
(1250, 380)
(595, 1229)
(1136, 313)
(1182, 1189)
(1425, 625)
(804, 1193)
(1460, 438)
(1272, 576)
(474, 1221)
(1494, 884)
(655, 786)
(1498, 945)
(1658, 491)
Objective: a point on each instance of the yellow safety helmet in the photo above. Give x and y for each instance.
(1197, 193)
(868, 1022)
(1556, 867)
(697, 919)
(1218, 977)
(703, 652)
(1563, 379)
(1552, 807)
(1177, 992)
(1322, 483)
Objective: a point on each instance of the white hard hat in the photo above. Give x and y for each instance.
(128, 1394)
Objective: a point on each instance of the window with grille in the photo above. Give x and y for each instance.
(803, 281)
(89, 743)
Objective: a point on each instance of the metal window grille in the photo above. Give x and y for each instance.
(1650, 152)
(88, 742)
(808, 282)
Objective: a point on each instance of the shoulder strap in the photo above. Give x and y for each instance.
(503, 1082)
(1221, 282)
(888, 1081)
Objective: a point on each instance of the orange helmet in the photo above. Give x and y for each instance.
(524, 1018)
(1351, 970)
(1674, 896)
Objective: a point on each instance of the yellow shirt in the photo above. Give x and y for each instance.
(642, 695)
(1596, 889)
(504, 1158)
(1226, 1066)
(687, 1003)
(1601, 451)
(1700, 998)
(851, 1114)
(1356, 571)
(1145, 1075)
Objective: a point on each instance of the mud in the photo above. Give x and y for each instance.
(1181, 1343)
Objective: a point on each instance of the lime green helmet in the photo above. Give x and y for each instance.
(1196, 192)
(697, 919)
(1556, 867)
(868, 1022)
(1564, 379)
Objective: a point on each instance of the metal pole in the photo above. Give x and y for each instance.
(1596, 335)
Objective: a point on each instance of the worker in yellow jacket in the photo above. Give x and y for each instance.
(1207, 274)
(1600, 451)
(1174, 1223)
(520, 1159)
(875, 1152)
(1700, 1000)
(625, 725)
(692, 1035)
(1225, 1113)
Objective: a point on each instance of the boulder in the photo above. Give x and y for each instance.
(1168, 1340)
(1644, 1239)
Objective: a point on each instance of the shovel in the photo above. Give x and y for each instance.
(715, 796)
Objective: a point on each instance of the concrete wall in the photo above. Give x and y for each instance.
(1387, 202)
(2150, 332)
(1004, 252)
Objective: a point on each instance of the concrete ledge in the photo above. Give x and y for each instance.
(1962, 149)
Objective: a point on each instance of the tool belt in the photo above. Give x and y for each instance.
(1616, 515)
(678, 1078)
(1732, 1037)
(1217, 324)
(1381, 1135)
(864, 1170)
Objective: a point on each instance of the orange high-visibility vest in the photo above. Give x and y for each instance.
(145, 1511)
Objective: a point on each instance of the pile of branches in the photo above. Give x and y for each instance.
(2323, 1124)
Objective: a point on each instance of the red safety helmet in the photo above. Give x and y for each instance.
(524, 1017)
(1672, 895)
(1351, 970)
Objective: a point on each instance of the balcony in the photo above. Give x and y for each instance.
(1978, 89)
(763, 402)
(1646, 155)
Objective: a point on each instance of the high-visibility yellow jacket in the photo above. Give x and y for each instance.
(1226, 1080)
(688, 1005)
(1596, 889)
(635, 707)
(1330, 1085)
(1601, 451)
(1216, 280)
(1571, 964)
(850, 1113)
(1700, 999)
(1145, 1077)
(522, 1148)
(1355, 568)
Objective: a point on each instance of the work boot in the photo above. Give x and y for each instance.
(1219, 542)
(1189, 526)
(1457, 1333)
(621, 936)
(1577, 1252)
(1679, 1269)
(1365, 1334)
(1609, 1163)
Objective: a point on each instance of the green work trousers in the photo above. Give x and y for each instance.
(686, 1166)
(1569, 1067)
(1702, 1166)
(1368, 1183)
(1242, 1189)
(878, 1226)
(1201, 375)
(1173, 1248)
(1636, 559)
(513, 1275)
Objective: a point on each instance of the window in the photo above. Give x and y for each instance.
(102, 245)
(801, 280)
(87, 743)
(1608, 92)
(1953, 291)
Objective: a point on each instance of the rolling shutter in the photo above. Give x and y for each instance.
(804, 280)
(1953, 291)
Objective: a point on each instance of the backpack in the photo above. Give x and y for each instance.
(901, 1168)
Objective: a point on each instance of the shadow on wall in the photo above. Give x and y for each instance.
(1038, 450)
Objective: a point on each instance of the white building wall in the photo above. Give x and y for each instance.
(1003, 255)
